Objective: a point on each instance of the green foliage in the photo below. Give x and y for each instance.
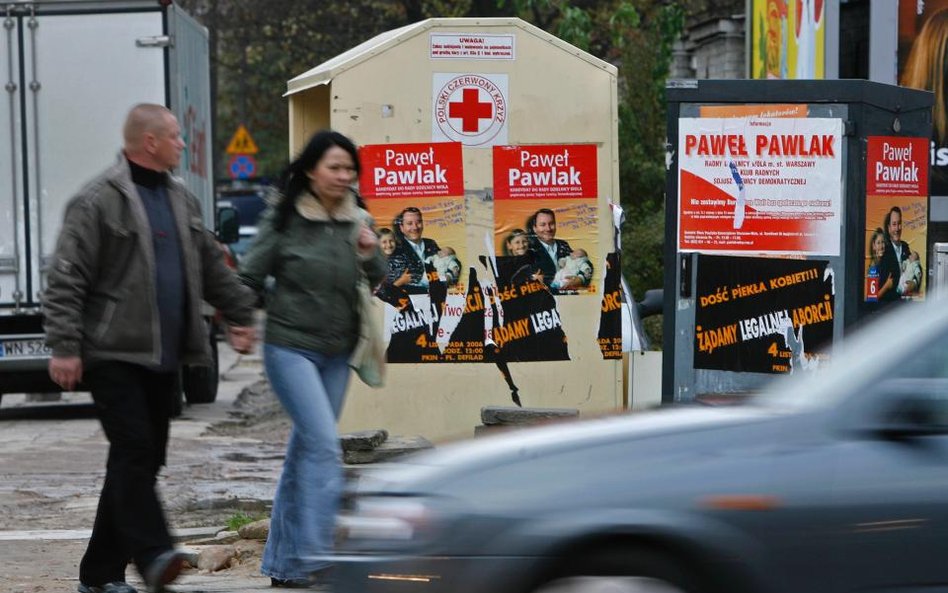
(575, 26)
(239, 519)
(642, 125)
(625, 18)
(257, 47)
(260, 46)
(643, 236)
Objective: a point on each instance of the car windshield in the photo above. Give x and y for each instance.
(911, 342)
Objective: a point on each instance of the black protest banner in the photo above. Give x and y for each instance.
(532, 330)
(416, 333)
(466, 339)
(610, 319)
(412, 335)
(761, 315)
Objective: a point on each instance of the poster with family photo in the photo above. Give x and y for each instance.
(546, 214)
(415, 193)
(896, 218)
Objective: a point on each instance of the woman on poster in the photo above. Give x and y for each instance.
(317, 244)
(876, 255)
(925, 69)
(519, 264)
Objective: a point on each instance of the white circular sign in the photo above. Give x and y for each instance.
(470, 109)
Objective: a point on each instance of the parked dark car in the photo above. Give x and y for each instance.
(829, 482)
(250, 201)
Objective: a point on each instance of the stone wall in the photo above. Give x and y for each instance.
(713, 48)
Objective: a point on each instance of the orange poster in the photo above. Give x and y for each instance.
(896, 218)
(415, 192)
(546, 206)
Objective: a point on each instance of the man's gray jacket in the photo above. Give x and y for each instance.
(100, 300)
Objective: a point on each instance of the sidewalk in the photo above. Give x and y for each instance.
(53, 463)
(223, 458)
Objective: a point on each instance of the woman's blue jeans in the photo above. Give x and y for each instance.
(311, 386)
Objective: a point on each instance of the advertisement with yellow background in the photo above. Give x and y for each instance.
(896, 218)
(788, 39)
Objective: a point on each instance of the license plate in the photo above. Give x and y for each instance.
(24, 348)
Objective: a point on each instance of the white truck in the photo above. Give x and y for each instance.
(71, 70)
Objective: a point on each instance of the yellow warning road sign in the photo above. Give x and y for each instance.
(242, 143)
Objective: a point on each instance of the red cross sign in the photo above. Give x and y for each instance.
(470, 110)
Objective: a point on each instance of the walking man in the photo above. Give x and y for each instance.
(133, 265)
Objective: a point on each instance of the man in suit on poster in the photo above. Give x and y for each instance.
(549, 250)
(894, 259)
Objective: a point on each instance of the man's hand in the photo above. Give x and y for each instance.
(242, 339)
(65, 371)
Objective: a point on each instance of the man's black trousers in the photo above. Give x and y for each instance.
(134, 405)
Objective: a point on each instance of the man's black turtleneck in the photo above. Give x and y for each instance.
(170, 295)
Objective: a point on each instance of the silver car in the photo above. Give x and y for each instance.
(834, 481)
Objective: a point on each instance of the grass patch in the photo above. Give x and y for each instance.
(239, 519)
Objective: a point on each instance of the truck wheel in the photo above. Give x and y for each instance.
(200, 382)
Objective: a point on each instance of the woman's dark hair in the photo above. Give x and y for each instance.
(293, 181)
(925, 68)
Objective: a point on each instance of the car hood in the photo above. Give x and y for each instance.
(422, 472)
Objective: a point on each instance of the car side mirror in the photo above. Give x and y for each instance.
(228, 227)
(916, 408)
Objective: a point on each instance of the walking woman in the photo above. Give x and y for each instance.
(313, 242)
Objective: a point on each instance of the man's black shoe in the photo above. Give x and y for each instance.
(115, 587)
(163, 570)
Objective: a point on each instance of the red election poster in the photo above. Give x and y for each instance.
(760, 185)
(546, 209)
(896, 218)
(415, 192)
